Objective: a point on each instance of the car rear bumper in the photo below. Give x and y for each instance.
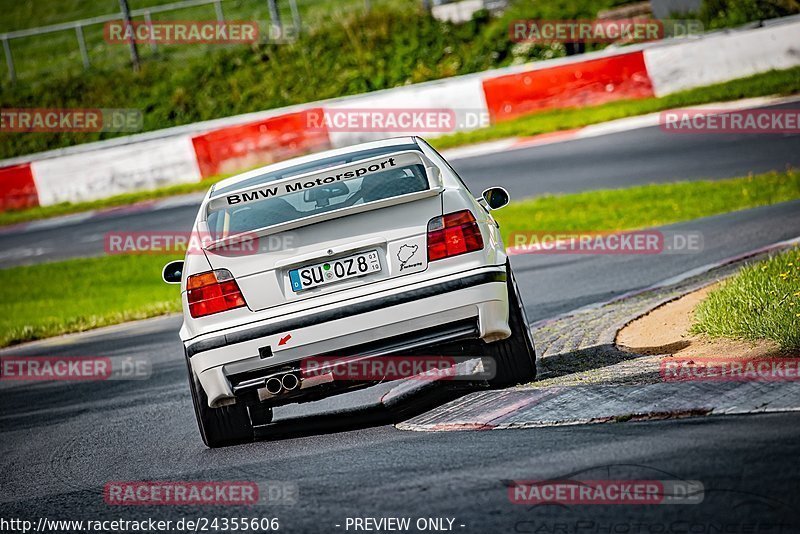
(424, 313)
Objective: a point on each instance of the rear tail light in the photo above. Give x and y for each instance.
(213, 292)
(453, 234)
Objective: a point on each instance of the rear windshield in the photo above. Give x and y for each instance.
(392, 182)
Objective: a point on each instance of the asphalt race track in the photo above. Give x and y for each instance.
(62, 442)
(645, 155)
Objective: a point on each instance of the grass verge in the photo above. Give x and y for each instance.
(71, 296)
(647, 205)
(782, 82)
(760, 302)
(774, 82)
(346, 52)
(124, 199)
(50, 299)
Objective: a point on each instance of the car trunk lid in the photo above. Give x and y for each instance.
(335, 229)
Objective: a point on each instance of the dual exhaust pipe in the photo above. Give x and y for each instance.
(288, 382)
(278, 384)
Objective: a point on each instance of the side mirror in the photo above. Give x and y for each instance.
(495, 197)
(173, 272)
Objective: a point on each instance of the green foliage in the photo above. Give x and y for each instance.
(728, 13)
(647, 205)
(353, 52)
(774, 82)
(70, 296)
(761, 302)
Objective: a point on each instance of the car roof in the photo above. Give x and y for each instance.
(239, 179)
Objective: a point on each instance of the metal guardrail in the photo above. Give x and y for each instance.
(277, 28)
(78, 25)
(212, 124)
(145, 12)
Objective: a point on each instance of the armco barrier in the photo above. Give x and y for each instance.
(243, 146)
(119, 169)
(464, 93)
(584, 83)
(721, 57)
(17, 190)
(191, 152)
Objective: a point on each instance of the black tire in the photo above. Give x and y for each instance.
(260, 414)
(227, 425)
(515, 356)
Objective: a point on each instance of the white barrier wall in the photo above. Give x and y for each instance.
(141, 162)
(115, 170)
(460, 11)
(722, 57)
(463, 95)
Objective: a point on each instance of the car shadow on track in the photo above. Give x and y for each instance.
(587, 360)
(29, 405)
(435, 394)
(387, 412)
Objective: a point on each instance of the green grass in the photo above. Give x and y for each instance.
(729, 13)
(647, 205)
(343, 50)
(76, 295)
(775, 82)
(760, 302)
(124, 199)
(352, 52)
(32, 13)
(49, 299)
(58, 52)
(772, 82)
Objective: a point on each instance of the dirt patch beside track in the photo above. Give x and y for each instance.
(665, 332)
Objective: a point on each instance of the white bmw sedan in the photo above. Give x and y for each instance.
(365, 252)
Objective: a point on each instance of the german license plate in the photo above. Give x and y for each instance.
(332, 271)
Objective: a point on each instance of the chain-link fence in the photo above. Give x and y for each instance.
(31, 52)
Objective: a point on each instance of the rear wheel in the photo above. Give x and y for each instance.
(227, 425)
(515, 356)
(260, 414)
